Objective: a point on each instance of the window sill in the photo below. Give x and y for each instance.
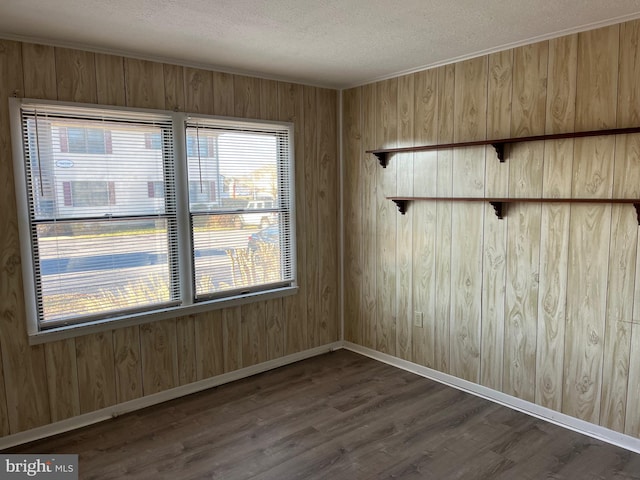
(72, 331)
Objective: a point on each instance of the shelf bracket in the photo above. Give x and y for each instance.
(383, 158)
(499, 147)
(402, 206)
(499, 208)
(637, 205)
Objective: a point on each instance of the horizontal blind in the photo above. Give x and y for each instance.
(101, 201)
(240, 201)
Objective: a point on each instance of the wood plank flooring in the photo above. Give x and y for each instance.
(337, 416)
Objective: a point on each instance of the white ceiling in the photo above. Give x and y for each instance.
(333, 43)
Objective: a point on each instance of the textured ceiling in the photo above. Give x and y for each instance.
(334, 43)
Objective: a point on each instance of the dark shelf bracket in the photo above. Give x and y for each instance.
(499, 151)
(637, 205)
(383, 158)
(499, 208)
(402, 206)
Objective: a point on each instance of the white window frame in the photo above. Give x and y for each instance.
(187, 304)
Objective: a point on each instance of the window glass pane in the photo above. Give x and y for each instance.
(94, 268)
(89, 194)
(228, 257)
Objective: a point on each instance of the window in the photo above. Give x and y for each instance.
(106, 235)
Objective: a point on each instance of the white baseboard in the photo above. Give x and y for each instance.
(132, 405)
(586, 428)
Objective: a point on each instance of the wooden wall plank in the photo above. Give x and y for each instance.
(291, 109)
(554, 241)
(524, 220)
(174, 91)
(246, 96)
(352, 216)
(25, 380)
(223, 94)
(128, 365)
(198, 88)
(144, 83)
(309, 241)
(159, 356)
(425, 177)
(623, 241)
(75, 75)
(253, 334)
(467, 224)
(404, 223)
(500, 86)
(386, 136)
(369, 218)
(597, 75)
(186, 351)
(231, 339)
(39, 66)
(273, 329)
(110, 87)
(268, 99)
(209, 349)
(328, 217)
(632, 416)
(96, 372)
(62, 378)
(444, 187)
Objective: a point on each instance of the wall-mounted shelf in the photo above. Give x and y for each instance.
(499, 203)
(498, 144)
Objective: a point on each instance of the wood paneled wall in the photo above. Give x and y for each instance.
(54, 381)
(543, 305)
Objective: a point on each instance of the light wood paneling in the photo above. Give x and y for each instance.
(425, 175)
(96, 372)
(310, 208)
(353, 180)
(62, 378)
(444, 187)
(231, 339)
(246, 96)
(144, 83)
(369, 219)
(596, 102)
(269, 99)
(223, 90)
(159, 356)
(128, 367)
(500, 86)
(76, 75)
(404, 223)
(523, 221)
(208, 347)
(110, 80)
(186, 354)
(174, 91)
(253, 334)
(386, 231)
(198, 91)
(38, 63)
(632, 417)
(554, 240)
(273, 328)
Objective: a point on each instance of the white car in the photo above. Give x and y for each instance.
(259, 219)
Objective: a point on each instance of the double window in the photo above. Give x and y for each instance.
(129, 215)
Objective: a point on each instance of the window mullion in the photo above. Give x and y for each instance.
(185, 248)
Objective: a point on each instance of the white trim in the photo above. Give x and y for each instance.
(506, 46)
(341, 213)
(586, 428)
(143, 402)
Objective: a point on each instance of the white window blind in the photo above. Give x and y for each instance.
(240, 202)
(101, 246)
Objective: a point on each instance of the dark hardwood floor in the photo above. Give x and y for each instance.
(337, 416)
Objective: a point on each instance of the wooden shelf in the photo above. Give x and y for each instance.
(382, 154)
(498, 203)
